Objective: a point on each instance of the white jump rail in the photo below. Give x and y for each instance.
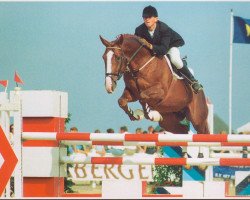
(242, 148)
(229, 155)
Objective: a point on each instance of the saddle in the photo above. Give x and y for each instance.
(178, 75)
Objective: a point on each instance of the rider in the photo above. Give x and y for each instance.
(162, 40)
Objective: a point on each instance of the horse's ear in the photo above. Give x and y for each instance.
(120, 39)
(105, 42)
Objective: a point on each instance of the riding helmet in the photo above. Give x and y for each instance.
(149, 11)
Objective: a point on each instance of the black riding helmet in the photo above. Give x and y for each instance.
(149, 11)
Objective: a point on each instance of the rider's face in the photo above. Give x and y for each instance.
(150, 22)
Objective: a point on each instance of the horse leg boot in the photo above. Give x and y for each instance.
(196, 86)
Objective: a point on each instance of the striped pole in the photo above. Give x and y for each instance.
(156, 161)
(136, 137)
(171, 144)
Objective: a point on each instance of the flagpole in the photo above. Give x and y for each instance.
(230, 73)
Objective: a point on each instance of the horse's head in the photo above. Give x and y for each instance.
(115, 63)
(126, 52)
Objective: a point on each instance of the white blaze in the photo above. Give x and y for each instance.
(109, 63)
(108, 81)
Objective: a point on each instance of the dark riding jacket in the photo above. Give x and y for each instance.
(163, 39)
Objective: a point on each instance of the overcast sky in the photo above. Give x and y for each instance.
(56, 46)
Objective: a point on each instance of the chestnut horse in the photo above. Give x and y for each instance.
(149, 80)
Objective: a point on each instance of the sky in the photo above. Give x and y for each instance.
(56, 46)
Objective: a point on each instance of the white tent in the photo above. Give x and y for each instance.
(244, 129)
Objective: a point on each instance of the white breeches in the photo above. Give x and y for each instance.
(175, 57)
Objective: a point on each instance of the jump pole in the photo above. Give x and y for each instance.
(105, 137)
(158, 161)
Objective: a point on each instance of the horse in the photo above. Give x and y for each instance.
(149, 80)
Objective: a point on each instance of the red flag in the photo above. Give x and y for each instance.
(4, 83)
(17, 78)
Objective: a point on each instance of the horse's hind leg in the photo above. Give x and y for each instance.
(202, 128)
(197, 113)
(171, 123)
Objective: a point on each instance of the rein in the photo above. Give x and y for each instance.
(133, 56)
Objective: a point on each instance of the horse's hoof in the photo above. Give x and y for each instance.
(187, 167)
(138, 114)
(132, 118)
(202, 167)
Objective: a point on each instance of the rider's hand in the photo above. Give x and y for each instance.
(145, 43)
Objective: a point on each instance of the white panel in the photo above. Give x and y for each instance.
(214, 189)
(99, 172)
(192, 189)
(3, 97)
(193, 151)
(43, 103)
(18, 123)
(240, 176)
(64, 104)
(4, 114)
(174, 190)
(42, 162)
(117, 189)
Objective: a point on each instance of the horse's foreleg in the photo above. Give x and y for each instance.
(123, 103)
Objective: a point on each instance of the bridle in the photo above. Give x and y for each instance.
(120, 58)
(128, 67)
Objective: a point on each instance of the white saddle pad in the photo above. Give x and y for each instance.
(171, 68)
(172, 71)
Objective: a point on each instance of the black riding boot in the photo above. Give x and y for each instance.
(190, 78)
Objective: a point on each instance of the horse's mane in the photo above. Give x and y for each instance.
(128, 36)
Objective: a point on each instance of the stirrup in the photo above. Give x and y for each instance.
(195, 90)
